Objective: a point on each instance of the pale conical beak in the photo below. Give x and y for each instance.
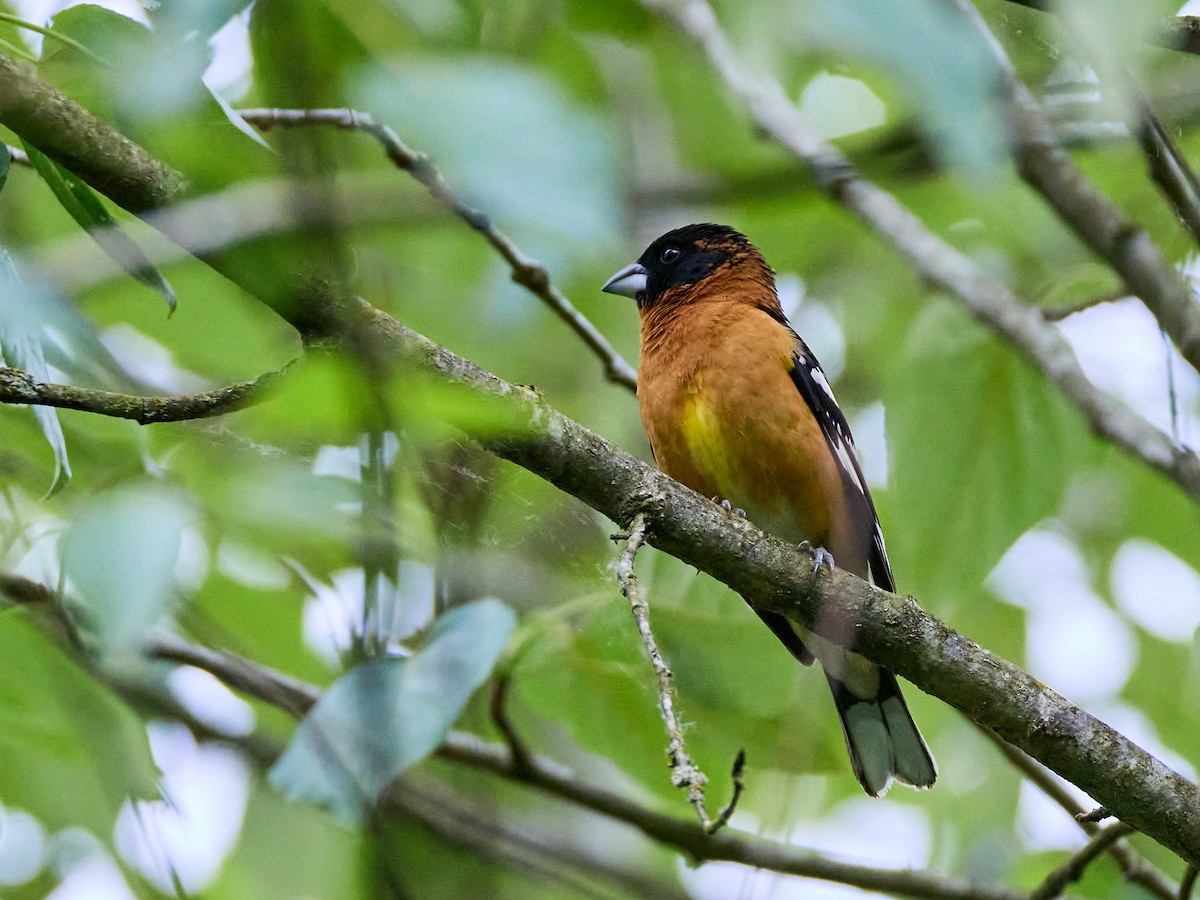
(629, 282)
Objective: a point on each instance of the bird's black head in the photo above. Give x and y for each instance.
(683, 258)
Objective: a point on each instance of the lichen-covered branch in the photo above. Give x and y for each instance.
(527, 272)
(778, 577)
(17, 386)
(83, 143)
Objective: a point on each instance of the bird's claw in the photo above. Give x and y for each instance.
(728, 507)
(822, 558)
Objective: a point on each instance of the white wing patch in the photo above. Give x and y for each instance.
(814, 386)
(882, 548)
(819, 377)
(841, 441)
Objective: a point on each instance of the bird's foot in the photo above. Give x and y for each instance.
(728, 507)
(822, 558)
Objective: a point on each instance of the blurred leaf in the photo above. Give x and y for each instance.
(141, 73)
(21, 346)
(594, 681)
(627, 20)
(508, 140)
(285, 850)
(120, 552)
(153, 90)
(940, 59)
(982, 450)
(56, 37)
(390, 713)
(69, 752)
(86, 208)
(5, 165)
(302, 53)
(201, 17)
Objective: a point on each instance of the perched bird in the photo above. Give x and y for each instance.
(736, 406)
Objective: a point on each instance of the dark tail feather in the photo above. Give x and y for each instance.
(881, 737)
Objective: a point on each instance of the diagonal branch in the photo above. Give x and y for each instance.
(1126, 248)
(778, 577)
(932, 258)
(17, 386)
(527, 272)
(1133, 867)
(1169, 168)
(1166, 164)
(83, 143)
(1072, 870)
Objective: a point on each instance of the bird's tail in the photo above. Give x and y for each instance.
(882, 738)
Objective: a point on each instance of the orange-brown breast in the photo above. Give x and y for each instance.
(725, 418)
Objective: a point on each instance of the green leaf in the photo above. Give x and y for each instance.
(286, 850)
(120, 552)
(55, 36)
(70, 753)
(21, 346)
(555, 174)
(5, 165)
(390, 713)
(982, 449)
(86, 208)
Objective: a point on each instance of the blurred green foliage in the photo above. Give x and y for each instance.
(584, 130)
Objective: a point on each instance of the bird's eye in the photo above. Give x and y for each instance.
(669, 255)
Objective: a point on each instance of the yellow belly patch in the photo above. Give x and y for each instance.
(709, 449)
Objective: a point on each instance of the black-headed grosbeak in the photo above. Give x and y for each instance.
(736, 406)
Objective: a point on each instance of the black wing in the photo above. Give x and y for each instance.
(814, 387)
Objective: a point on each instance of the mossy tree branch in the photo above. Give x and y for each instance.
(778, 577)
(83, 143)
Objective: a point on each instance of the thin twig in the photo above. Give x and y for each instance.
(1168, 167)
(17, 155)
(527, 272)
(1134, 867)
(289, 694)
(499, 709)
(1188, 883)
(1097, 815)
(738, 776)
(934, 260)
(1072, 870)
(684, 771)
(296, 698)
(1124, 246)
(18, 386)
